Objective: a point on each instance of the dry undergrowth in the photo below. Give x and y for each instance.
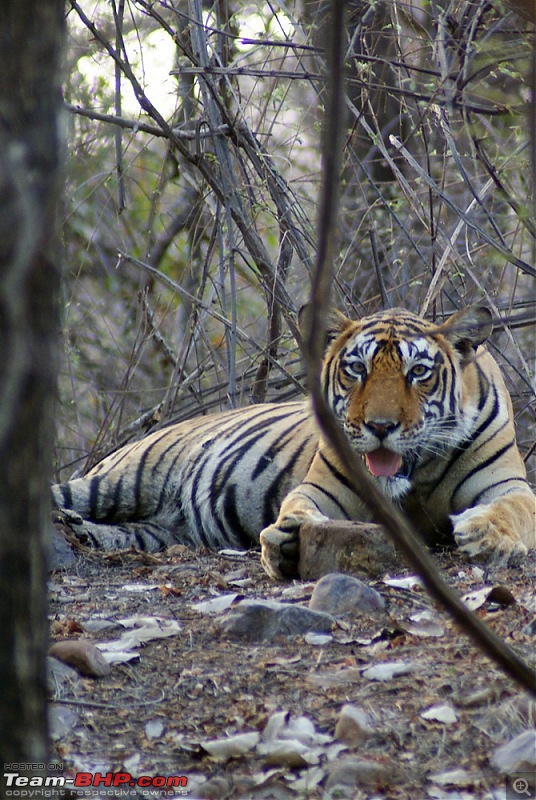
(202, 685)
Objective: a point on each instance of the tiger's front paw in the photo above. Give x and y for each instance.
(280, 544)
(482, 536)
(280, 552)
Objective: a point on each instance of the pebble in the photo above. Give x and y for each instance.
(60, 676)
(263, 620)
(353, 726)
(215, 789)
(357, 772)
(360, 548)
(343, 595)
(59, 554)
(82, 655)
(61, 720)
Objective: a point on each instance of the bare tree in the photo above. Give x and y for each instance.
(30, 40)
(191, 213)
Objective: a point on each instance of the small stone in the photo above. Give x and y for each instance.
(353, 726)
(61, 721)
(358, 772)
(518, 755)
(216, 788)
(154, 729)
(343, 595)
(359, 548)
(60, 676)
(263, 620)
(59, 554)
(82, 655)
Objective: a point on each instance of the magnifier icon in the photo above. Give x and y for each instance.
(521, 786)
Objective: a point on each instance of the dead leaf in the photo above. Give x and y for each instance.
(411, 583)
(231, 746)
(443, 713)
(216, 605)
(386, 671)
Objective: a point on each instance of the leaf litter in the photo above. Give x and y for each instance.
(435, 708)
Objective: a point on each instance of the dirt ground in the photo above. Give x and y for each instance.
(152, 715)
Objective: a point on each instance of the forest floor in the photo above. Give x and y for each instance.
(159, 713)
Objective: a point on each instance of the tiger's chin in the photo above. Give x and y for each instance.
(394, 487)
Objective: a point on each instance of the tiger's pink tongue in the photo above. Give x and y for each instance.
(383, 462)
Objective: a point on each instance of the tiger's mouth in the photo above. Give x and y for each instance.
(383, 463)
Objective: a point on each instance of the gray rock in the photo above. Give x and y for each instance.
(61, 720)
(59, 553)
(60, 677)
(359, 548)
(358, 772)
(343, 595)
(82, 655)
(263, 620)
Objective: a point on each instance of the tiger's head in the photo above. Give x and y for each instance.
(397, 384)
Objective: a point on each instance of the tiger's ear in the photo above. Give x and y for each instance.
(336, 323)
(468, 328)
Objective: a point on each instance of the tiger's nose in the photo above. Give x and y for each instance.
(381, 428)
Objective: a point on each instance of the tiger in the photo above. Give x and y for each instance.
(424, 405)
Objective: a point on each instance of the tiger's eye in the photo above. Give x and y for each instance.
(355, 369)
(418, 371)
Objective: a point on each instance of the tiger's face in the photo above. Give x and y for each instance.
(396, 383)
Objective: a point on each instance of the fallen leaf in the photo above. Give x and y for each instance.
(216, 605)
(442, 713)
(454, 777)
(425, 623)
(475, 600)
(411, 583)
(231, 746)
(388, 670)
(141, 630)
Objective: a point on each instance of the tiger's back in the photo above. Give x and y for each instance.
(215, 481)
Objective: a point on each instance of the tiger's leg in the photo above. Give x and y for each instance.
(148, 536)
(324, 494)
(503, 530)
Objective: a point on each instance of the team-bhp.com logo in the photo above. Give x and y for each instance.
(37, 786)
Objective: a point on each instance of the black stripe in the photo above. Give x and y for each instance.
(272, 498)
(339, 476)
(483, 386)
(275, 448)
(328, 494)
(111, 510)
(138, 479)
(67, 494)
(234, 523)
(165, 483)
(93, 498)
(465, 445)
(476, 499)
(482, 465)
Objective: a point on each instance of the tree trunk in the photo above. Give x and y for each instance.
(31, 35)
